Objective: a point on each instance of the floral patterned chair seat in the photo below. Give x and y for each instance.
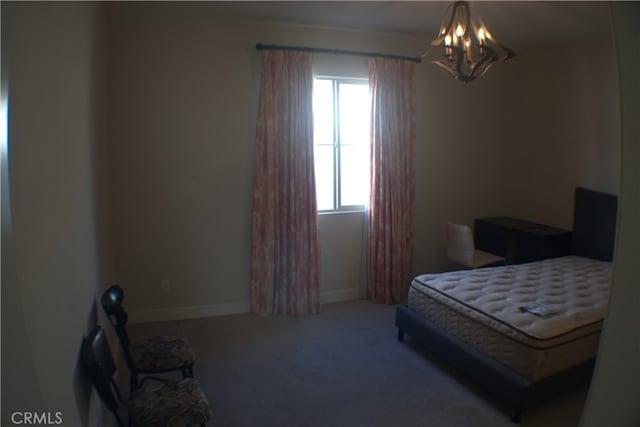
(161, 353)
(173, 404)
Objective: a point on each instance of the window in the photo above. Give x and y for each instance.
(341, 143)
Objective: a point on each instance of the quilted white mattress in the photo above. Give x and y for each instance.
(487, 308)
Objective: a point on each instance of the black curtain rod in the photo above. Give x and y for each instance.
(261, 46)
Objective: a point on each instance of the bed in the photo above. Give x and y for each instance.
(522, 332)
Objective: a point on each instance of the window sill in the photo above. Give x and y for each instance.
(354, 211)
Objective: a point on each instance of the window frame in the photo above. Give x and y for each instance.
(337, 144)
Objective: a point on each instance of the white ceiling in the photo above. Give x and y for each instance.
(517, 24)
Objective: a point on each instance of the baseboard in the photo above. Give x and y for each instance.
(211, 310)
(339, 295)
(188, 312)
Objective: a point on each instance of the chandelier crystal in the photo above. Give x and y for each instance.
(468, 48)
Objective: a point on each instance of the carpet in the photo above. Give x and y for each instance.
(342, 368)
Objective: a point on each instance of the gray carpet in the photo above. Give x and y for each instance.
(342, 368)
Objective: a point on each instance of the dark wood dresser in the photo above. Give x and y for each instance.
(519, 240)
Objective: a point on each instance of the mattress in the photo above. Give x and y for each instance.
(539, 318)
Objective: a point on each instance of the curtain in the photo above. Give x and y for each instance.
(285, 273)
(390, 217)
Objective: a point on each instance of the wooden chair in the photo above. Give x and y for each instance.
(152, 355)
(165, 404)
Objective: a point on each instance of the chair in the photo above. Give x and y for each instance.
(158, 354)
(176, 403)
(461, 250)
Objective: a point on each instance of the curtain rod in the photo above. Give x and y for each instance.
(416, 59)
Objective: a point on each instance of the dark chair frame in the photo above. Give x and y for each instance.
(112, 304)
(100, 367)
(98, 362)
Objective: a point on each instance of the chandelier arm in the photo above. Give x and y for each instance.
(446, 68)
(444, 29)
(510, 53)
(484, 70)
(459, 61)
(506, 52)
(424, 55)
(491, 57)
(467, 19)
(451, 10)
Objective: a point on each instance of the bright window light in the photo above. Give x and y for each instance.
(341, 141)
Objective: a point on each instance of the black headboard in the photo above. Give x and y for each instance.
(594, 224)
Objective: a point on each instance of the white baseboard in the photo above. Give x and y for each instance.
(340, 295)
(188, 312)
(197, 311)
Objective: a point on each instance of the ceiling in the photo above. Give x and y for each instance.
(518, 24)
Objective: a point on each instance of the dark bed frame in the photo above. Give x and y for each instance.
(593, 237)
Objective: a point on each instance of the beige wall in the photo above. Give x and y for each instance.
(562, 119)
(182, 129)
(460, 157)
(49, 54)
(18, 369)
(182, 105)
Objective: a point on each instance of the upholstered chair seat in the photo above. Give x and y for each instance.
(180, 403)
(161, 353)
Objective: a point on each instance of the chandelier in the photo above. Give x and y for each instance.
(468, 48)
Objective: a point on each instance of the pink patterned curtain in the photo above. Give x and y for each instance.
(393, 134)
(285, 273)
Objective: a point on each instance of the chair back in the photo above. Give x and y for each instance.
(460, 246)
(111, 301)
(100, 367)
(112, 304)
